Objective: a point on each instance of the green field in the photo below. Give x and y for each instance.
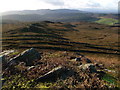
(107, 21)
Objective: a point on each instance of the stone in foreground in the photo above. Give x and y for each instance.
(52, 74)
(27, 56)
(90, 67)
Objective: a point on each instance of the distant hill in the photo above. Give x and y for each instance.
(43, 11)
(6, 21)
(58, 15)
(63, 17)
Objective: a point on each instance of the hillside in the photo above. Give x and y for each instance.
(43, 11)
(68, 47)
(107, 21)
(56, 70)
(58, 15)
(38, 34)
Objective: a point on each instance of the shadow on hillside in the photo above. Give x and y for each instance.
(87, 45)
(40, 35)
(65, 49)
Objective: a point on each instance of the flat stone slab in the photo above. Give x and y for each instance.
(51, 74)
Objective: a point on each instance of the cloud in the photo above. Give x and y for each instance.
(93, 4)
(12, 5)
(55, 2)
(7, 5)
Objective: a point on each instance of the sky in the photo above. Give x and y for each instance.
(85, 5)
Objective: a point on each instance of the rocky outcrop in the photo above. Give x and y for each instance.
(89, 67)
(27, 56)
(59, 67)
(51, 74)
(4, 56)
(81, 58)
(6, 52)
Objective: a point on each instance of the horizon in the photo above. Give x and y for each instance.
(90, 11)
(101, 6)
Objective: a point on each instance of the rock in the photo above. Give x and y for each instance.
(100, 66)
(72, 57)
(101, 72)
(6, 52)
(3, 56)
(77, 59)
(89, 67)
(22, 64)
(31, 67)
(96, 64)
(88, 60)
(3, 59)
(113, 71)
(51, 74)
(27, 56)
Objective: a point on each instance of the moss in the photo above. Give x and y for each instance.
(44, 85)
(17, 81)
(14, 53)
(110, 79)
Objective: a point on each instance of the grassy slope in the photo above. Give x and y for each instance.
(107, 21)
(93, 40)
(86, 37)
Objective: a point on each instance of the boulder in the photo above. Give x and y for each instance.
(100, 66)
(85, 60)
(3, 56)
(6, 52)
(27, 56)
(51, 74)
(77, 59)
(72, 57)
(88, 60)
(90, 67)
(2, 59)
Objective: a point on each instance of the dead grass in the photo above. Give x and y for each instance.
(84, 37)
(97, 42)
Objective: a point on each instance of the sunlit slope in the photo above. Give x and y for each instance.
(107, 21)
(78, 37)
